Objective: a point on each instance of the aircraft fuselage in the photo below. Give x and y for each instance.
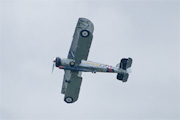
(89, 66)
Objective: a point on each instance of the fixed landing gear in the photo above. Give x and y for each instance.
(94, 71)
(68, 81)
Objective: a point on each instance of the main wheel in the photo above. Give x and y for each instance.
(68, 99)
(84, 33)
(72, 63)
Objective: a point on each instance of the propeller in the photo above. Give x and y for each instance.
(54, 61)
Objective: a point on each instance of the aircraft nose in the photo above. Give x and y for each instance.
(57, 61)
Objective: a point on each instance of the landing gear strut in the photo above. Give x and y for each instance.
(94, 71)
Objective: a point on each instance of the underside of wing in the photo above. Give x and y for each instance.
(71, 85)
(82, 39)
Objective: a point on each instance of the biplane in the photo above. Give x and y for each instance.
(76, 62)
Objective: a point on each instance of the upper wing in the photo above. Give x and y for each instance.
(71, 85)
(82, 39)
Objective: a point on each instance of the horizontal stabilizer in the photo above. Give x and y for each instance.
(122, 76)
(125, 63)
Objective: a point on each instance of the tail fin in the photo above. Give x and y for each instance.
(125, 64)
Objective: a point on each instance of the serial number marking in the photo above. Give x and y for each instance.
(106, 66)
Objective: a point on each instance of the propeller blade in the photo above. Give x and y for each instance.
(53, 68)
(54, 62)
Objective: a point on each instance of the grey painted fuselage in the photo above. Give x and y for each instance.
(89, 66)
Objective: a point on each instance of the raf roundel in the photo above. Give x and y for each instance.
(72, 63)
(68, 99)
(84, 33)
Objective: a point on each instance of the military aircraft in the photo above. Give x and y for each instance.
(76, 62)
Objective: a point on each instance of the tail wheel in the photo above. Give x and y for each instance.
(72, 63)
(84, 33)
(68, 99)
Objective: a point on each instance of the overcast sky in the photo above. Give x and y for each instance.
(33, 32)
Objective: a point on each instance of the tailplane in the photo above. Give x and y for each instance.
(125, 64)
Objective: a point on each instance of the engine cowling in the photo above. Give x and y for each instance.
(57, 61)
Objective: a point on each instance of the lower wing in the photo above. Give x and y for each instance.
(71, 85)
